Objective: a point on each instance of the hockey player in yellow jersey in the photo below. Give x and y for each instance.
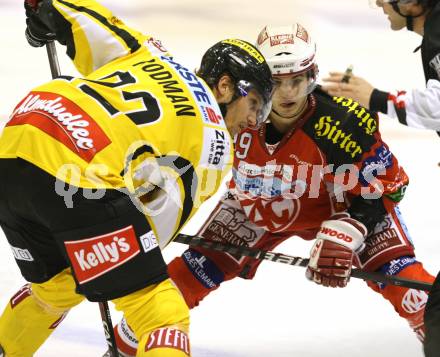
(100, 172)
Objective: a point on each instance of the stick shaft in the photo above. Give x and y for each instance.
(53, 59)
(297, 261)
(108, 328)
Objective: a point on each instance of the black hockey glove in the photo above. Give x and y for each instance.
(37, 33)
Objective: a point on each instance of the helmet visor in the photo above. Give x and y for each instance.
(264, 112)
(295, 86)
(245, 87)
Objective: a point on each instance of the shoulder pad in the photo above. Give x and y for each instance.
(342, 128)
(320, 93)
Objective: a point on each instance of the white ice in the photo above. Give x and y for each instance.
(279, 313)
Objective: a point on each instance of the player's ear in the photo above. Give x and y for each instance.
(412, 8)
(224, 89)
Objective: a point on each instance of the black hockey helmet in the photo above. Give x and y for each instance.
(244, 64)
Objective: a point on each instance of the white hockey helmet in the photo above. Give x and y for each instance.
(288, 50)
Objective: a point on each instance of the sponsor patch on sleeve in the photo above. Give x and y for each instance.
(376, 164)
(203, 269)
(216, 148)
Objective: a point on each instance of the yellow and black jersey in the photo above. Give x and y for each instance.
(137, 120)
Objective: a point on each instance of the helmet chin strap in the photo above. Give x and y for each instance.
(224, 106)
(223, 109)
(409, 19)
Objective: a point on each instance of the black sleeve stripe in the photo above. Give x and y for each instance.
(138, 152)
(401, 115)
(66, 78)
(379, 101)
(185, 171)
(189, 179)
(129, 40)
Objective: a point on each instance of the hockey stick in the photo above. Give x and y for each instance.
(53, 59)
(106, 318)
(103, 306)
(297, 261)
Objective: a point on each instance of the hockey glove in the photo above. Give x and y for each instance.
(331, 257)
(37, 33)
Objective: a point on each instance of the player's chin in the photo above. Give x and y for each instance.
(397, 27)
(232, 131)
(236, 129)
(288, 113)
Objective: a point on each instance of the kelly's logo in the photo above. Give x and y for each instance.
(92, 257)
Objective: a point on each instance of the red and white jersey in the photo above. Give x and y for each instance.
(333, 153)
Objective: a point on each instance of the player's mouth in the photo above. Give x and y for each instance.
(287, 105)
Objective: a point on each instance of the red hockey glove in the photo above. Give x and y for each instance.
(37, 33)
(332, 254)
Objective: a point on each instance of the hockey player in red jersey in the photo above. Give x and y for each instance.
(318, 169)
